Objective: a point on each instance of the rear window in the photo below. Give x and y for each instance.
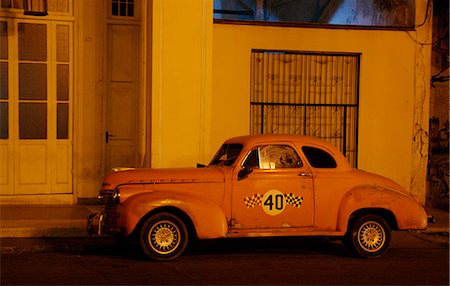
(319, 158)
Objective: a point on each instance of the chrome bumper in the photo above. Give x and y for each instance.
(95, 224)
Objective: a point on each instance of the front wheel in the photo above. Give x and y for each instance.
(163, 237)
(369, 236)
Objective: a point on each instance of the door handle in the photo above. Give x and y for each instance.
(107, 136)
(304, 174)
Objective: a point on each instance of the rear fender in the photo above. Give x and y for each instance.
(408, 213)
(207, 218)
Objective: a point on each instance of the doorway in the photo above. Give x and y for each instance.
(122, 96)
(36, 107)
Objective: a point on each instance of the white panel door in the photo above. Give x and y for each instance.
(36, 103)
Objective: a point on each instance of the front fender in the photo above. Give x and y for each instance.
(208, 218)
(408, 213)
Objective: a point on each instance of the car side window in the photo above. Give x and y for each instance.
(252, 160)
(278, 156)
(269, 157)
(226, 155)
(319, 158)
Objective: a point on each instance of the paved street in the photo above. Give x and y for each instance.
(413, 259)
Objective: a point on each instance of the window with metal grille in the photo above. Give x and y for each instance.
(314, 94)
(123, 8)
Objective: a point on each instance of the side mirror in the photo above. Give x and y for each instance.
(243, 174)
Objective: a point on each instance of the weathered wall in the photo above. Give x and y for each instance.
(438, 175)
(387, 86)
(87, 155)
(422, 37)
(399, 13)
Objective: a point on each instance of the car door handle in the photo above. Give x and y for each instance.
(304, 174)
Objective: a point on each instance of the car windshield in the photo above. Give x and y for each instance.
(226, 155)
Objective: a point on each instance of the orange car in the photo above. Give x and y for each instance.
(257, 186)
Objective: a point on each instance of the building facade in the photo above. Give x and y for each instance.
(95, 85)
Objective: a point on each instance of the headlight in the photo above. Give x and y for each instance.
(116, 195)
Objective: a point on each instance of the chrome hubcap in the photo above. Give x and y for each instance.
(164, 237)
(371, 236)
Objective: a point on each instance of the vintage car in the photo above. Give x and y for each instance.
(257, 186)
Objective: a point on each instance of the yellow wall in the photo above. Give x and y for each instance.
(199, 88)
(386, 86)
(181, 81)
(88, 99)
(178, 42)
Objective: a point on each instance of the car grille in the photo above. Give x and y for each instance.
(109, 224)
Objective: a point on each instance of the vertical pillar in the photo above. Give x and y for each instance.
(181, 82)
(422, 74)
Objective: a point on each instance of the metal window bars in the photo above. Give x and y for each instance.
(314, 94)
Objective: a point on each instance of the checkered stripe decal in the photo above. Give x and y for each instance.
(293, 200)
(256, 200)
(253, 201)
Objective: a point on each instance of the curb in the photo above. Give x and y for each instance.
(63, 245)
(436, 230)
(62, 232)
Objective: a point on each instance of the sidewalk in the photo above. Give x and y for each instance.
(46, 222)
(441, 225)
(70, 220)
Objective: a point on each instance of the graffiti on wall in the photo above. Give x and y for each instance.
(439, 136)
(438, 168)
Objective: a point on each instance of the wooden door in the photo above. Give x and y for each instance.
(122, 96)
(36, 106)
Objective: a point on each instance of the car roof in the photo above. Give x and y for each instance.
(261, 138)
(297, 139)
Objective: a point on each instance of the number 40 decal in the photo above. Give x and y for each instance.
(273, 202)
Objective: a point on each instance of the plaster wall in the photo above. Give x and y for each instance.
(199, 88)
(88, 130)
(387, 86)
(181, 82)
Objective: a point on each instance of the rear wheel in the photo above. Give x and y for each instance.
(163, 237)
(369, 236)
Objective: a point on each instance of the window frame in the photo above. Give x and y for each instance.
(290, 99)
(134, 18)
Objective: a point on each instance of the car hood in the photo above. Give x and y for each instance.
(163, 176)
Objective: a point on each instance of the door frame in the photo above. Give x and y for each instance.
(142, 152)
(59, 186)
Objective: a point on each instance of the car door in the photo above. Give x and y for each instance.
(272, 189)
